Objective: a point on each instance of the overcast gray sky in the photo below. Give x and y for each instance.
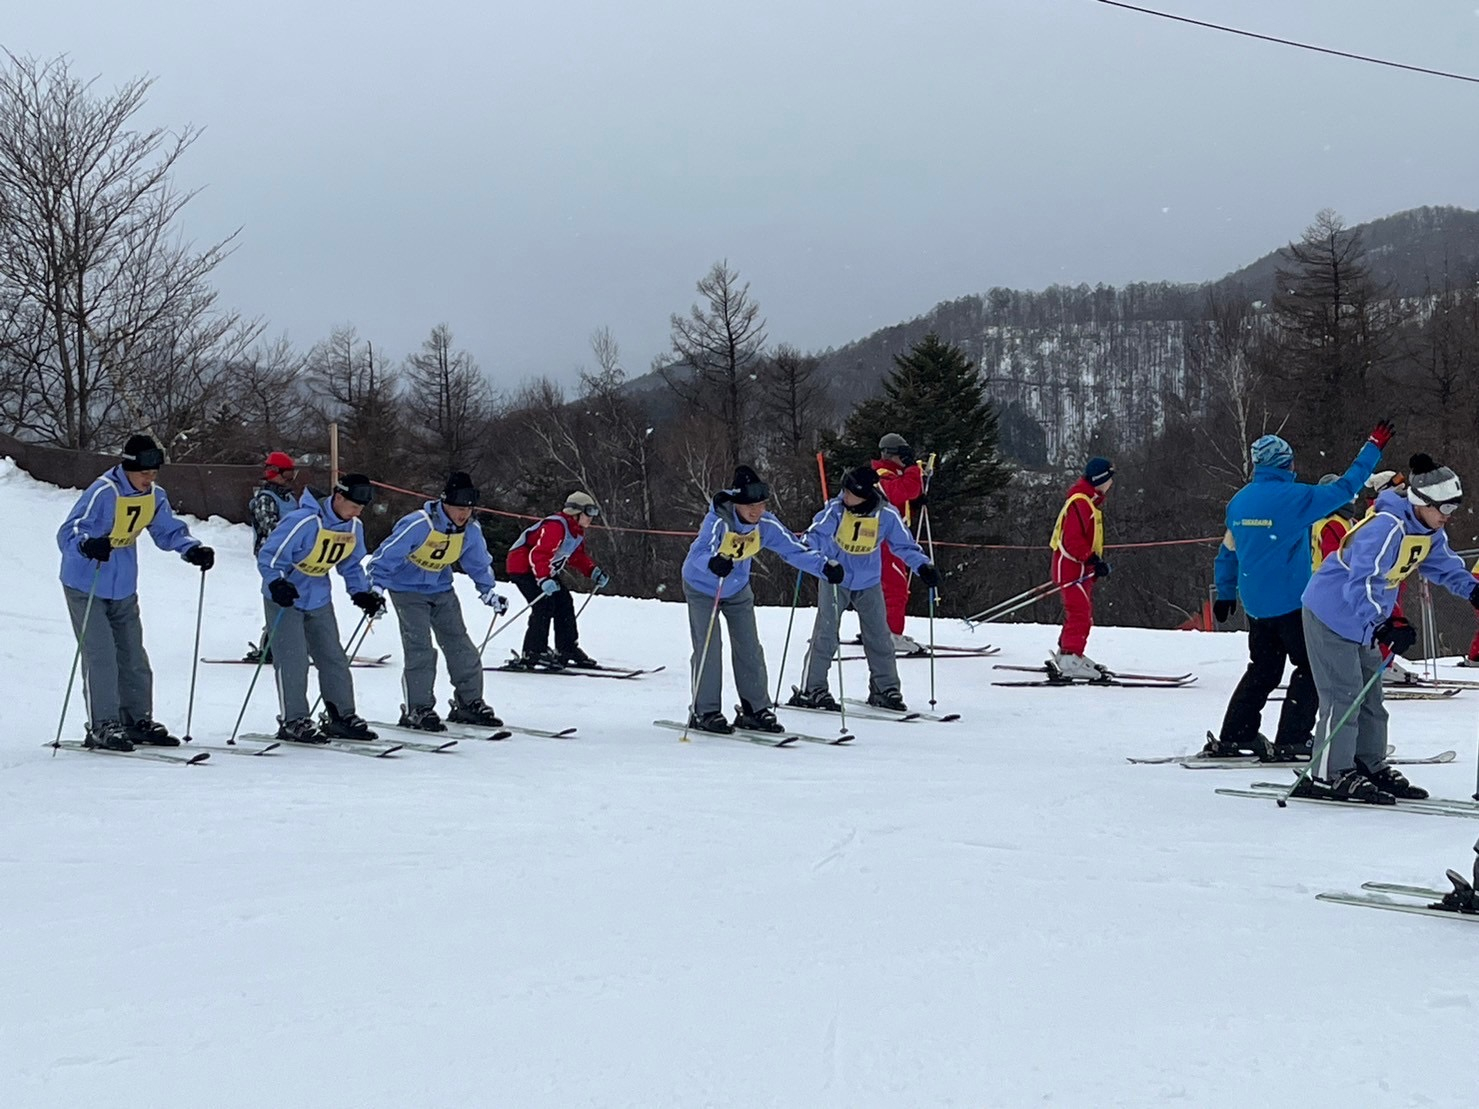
(529, 172)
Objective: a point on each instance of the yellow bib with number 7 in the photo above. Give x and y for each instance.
(438, 552)
(330, 549)
(740, 545)
(131, 515)
(858, 535)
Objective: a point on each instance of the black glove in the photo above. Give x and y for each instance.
(283, 592)
(1223, 610)
(720, 566)
(928, 575)
(201, 555)
(834, 573)
(1396, 633)
(1099, 566)
(99, 548)
(1474, 596)
(368, 602)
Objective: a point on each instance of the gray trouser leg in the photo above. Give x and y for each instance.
(418, 677)
(878, 641)
(831, 600)
(135, 677)
(289, 659)
(464, 664)
(705, 669)
(745, 652)
(321, 631)
(1341, 667)
(99, 660)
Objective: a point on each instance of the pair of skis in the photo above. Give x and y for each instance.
(939, 653)
(1200, 761)
(1111, 677)
(621, 673)
(1429, 806)
(1459, 902)
(359, 662)
(787, 738)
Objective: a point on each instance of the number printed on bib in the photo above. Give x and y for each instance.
(740, 545)
(131, 515)
(330, 549)
(438, 552)
(858, 535)
(1415, 548)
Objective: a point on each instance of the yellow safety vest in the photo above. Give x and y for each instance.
(1317, 556)
(1410, 555)
(1057, 541)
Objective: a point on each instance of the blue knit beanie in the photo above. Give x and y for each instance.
(1098, 471)
(1270, 450)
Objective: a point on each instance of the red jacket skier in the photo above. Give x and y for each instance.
(1078, 549)
(534, 564)
(902, 482)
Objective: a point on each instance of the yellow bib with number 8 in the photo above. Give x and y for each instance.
(438, 552)
(330, 549)
(740, 545)
(131, 515)
(858, 535)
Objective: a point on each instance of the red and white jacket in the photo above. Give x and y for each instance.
(546, 548)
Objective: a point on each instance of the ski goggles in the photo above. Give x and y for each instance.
(1448, 508)
(464, 497)
(591, 510)
(360, 492)
(151, 459)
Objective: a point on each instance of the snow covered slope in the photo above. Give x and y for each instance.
(998, 912)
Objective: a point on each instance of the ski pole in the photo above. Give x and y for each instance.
(842, 692)
(703, 660)
(583, 603)
(932, 650)
(266, 651)
(1038, 594)
(194, 662)
(785, 650)
(351, 648)
(491, 633)
(92, 591)
(1315, 755)
(987, 614)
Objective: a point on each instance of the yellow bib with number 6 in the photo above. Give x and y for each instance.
(330, 549)
(131, 515)
(858, 535)
(740, 545)
(438, 552)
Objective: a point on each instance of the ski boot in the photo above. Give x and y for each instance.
(906, 647)
(891, 699)
(147, 733)
(421, 719)
(710, 722)
(477, 713)
(1392, 781)
(813, 699)
(299, 730)
(750, 719)
(540, 658)
(1064, 667)
(256, 654)
(1462, 898)
(1352, 786)
(107, 735)
(337, 725)
(1281, 752)
(578, 659)
(1217, 748)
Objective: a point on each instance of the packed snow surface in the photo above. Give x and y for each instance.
(996, 912)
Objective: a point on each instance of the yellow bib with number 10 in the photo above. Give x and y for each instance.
(858, 535)
(438, 552)
(330, 549)
(740, 545)
(131, 515)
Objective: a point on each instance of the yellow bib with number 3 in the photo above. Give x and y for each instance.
(330, 549)
(740, 545)
(131, 515)
(438, 552)
(858, 535)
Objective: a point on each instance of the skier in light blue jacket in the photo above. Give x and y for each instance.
(100, 579)
(414, 565)
(1348, 611)
(849, 529)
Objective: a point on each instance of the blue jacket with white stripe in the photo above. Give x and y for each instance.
(392, 566)
(297, 538)
(722, 532)
(863, 570)
(103, 509)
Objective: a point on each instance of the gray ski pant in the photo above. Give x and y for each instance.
(117, 681)
(878, 641)
(302, 635)
(419, 615)
(745, 652)
(1341, 667)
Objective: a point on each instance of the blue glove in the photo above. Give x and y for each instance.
(495, 601)
(600, 578)
(549, 587)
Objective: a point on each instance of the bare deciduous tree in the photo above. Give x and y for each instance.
(448, 400)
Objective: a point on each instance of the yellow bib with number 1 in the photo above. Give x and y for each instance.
(330, 549)
(438, 552)
(858, 535)
(131, 515)
(740, 545)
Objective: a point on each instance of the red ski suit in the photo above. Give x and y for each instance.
(1077, 536)
(538, 554)
(900, 484)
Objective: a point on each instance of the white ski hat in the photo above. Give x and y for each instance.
(1431, 484)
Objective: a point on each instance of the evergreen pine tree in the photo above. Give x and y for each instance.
(936, 400)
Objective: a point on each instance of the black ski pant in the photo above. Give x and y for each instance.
(1272, 641)
(558, 609)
